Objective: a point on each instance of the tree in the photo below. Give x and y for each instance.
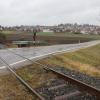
(34, 34)
(2, 37)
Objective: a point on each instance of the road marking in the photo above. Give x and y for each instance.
(3, 67)
(17, 62)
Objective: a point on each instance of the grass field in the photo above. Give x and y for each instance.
(85, 60)
(51, 38)
(66, 38)
(56, 34)
(46, 33)
(69, 35)
(9, 32)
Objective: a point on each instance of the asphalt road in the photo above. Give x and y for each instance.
(35, 53)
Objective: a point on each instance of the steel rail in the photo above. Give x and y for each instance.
(82, 86)
(22, 81)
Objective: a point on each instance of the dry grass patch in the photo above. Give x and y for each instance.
(34, 75)
(85, 60)
(11, 89)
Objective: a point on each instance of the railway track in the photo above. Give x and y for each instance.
(23, 82)
(61, 88)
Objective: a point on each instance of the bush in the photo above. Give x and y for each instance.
(77, 33)
(2, 37)
(1, 34)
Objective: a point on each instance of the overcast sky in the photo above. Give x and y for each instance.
(49, 12)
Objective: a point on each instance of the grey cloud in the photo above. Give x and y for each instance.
(49, 12)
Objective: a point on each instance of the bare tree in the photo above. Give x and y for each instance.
(34, 34)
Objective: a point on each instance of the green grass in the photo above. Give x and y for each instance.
(39, 33)
(84, 36)
(57, 34)
(88, 56)
(13, 32)
(8, 32)
(46, 33)
(71, 35)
